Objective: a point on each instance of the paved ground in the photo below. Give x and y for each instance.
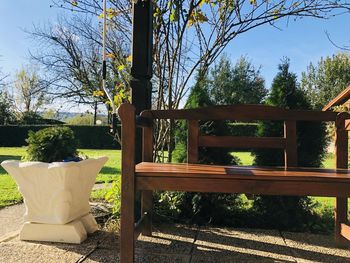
(173, 243)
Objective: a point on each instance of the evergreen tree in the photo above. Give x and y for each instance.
(236, 84)
(203, 207)
(285, 212)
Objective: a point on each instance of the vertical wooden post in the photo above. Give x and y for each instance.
(192, 141)
(127, 114)
(341, 207)
(290, 152)
(141, 69)
(147, 196)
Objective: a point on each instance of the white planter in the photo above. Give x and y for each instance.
(56, 193)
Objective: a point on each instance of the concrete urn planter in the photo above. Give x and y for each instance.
(56, 197)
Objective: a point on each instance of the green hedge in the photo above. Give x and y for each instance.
(89, 137)
(243, 129)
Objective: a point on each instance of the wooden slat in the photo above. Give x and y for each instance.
(341, 142)
(244, 113)
(127, 115)
(290, 135)
(242, 142)
(192, 141)
(345, 231)
(247, 173)
(147, 142)
(276, 187)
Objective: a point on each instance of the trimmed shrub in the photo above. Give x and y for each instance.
(200, 208)
(53, 144)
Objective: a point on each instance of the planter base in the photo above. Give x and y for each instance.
(74, 232)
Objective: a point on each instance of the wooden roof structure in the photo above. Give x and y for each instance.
(342, 98)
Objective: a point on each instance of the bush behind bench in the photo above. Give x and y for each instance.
(90, 137)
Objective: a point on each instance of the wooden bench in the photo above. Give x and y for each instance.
(148, 176)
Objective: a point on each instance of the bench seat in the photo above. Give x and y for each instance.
(148, 176)
(238, 179)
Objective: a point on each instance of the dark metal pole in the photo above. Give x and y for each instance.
(141, 69)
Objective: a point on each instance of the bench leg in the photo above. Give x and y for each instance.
(146, 209)
(341, 217)
(127, 225)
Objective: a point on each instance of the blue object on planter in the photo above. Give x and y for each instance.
(72, 159)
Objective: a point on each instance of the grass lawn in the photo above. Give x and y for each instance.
(10, 195)
(8, 188)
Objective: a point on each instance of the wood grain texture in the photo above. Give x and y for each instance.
(146, 211)
(244, 113)
(147, 156)
(192, 141)
(126, 113)
(239, 185)
(341, 208)
(341, 142)
(242, 142)
(341, 217)
(192, 177)
(345, 231)
(290, 152)
(244, 172)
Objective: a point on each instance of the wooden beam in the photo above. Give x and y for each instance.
(141, 67)
(343, 97)
(127, 114)
(341, 207)
(260, 187)
(245, 113)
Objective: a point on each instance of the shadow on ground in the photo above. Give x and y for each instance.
(178, 243)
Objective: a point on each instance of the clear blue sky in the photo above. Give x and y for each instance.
(302, 41)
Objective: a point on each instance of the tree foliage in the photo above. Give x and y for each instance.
(236, 84)
(30, 90)
(325, 80)
(187, 34)
(7, 115)
(200, 207)
(284, 212)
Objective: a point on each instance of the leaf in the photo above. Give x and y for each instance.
(202, 2)
(98, 93)
(252, 2)
(129, 58)
(110, 55)
(197, 16)
(74, 3)
(120, 67)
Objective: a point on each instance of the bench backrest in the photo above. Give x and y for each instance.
(245, 113)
